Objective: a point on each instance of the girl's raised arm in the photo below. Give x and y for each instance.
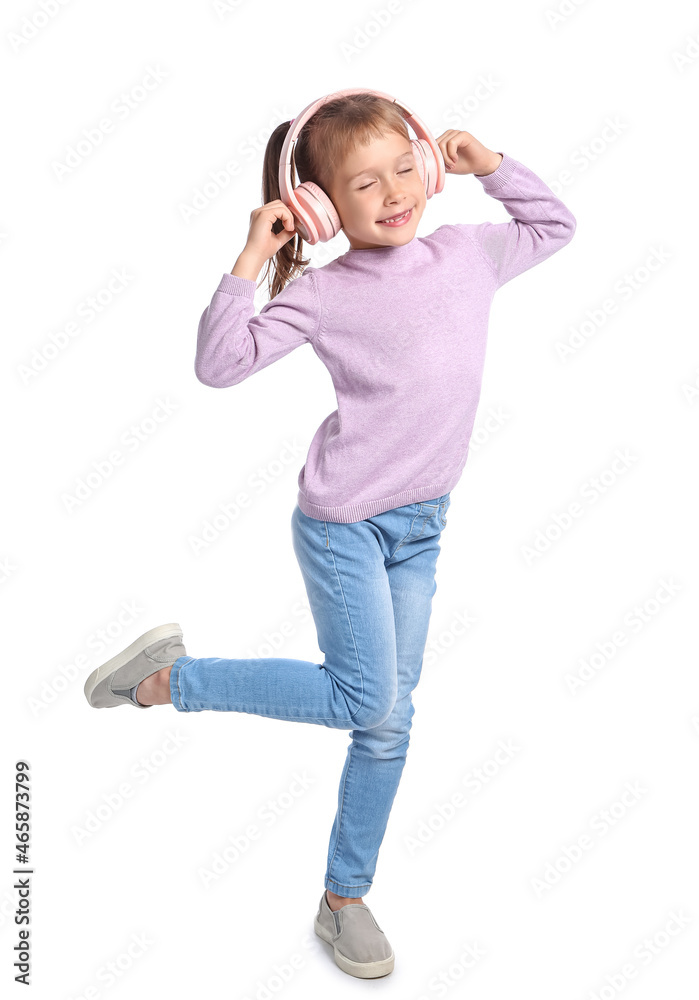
(232, 342)
(541, 224)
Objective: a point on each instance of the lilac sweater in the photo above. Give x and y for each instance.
(402, 331)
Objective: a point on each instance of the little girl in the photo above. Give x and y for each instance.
(400, 321)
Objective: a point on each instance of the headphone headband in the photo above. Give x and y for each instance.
(286, 187)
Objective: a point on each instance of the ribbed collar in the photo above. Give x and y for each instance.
(388, 254)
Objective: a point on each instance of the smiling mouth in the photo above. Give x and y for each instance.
(396, 220)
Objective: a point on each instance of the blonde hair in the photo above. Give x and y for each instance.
(337, 128)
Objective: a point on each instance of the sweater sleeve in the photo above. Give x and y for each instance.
(540, 225)
(233, 343)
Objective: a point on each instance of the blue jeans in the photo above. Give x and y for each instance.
(370, 586)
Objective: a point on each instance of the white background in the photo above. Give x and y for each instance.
(625, 569)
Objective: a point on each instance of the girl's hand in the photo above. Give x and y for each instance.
(464, 154)
(263, 241)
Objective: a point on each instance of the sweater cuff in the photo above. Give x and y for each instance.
(499, 177)
(234, 285)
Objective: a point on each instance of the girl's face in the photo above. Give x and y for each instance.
(379, 181)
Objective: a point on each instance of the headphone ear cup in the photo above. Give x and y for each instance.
(427, 165)
(318, 221)
(419, 159)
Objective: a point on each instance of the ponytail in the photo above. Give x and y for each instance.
(288, 261)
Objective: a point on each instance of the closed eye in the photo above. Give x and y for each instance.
(365, 186)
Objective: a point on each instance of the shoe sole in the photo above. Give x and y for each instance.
(362, 970)
(136, 647)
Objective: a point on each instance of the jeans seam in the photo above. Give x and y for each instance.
(342, 806)
(424, 525)
(408, 533)
(189, 659)
(177, 681)
(349, 622)
(443, 508)
(348, 723)
(345, 884)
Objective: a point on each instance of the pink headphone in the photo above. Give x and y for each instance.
(315, 215)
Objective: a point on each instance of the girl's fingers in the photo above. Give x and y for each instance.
(444, 141)
(278, 210)
(449, 143)
(449, 155)
(288, 217)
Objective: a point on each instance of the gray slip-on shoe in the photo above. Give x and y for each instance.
(359, 944)
(109, 685)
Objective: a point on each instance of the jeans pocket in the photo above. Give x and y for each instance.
(427, 508)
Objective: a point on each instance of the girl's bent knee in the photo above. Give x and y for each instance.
(370, 718)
